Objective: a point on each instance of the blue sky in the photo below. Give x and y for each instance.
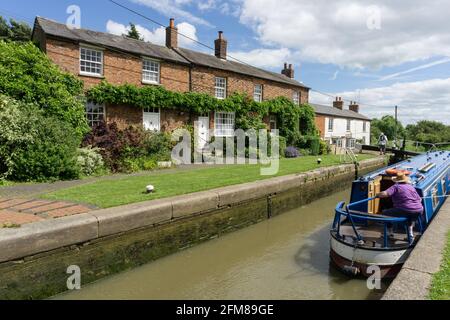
(374, 52)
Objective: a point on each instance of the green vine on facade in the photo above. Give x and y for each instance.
(296, 123)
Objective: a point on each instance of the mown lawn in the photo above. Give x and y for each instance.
(440, 288)
(111, 193)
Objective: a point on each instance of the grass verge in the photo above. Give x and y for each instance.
(130, 189)
(440, 286)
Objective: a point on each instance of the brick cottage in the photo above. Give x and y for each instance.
(96, 56)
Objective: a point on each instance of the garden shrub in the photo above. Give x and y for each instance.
(52, 156)
(314, 146)
(291, 152)
(130, 149)
(158, 145)
(28, 75)
(90, 161)
(324, 147)
(34, 147)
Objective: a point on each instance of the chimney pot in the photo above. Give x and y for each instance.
(221, 46)
(288, 71)
(172, 35)
(339, 104)
(354, 107)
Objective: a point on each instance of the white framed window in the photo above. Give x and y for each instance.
(224, 124)
(330, 124)
(152, 119)
(258, 92)
(150, 71)
(220, 88)
(95, 114)
(364, 126)
(351, 143)
(349, 124)
(296, 97)
(91, 61)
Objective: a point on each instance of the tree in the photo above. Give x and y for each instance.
(133, 33)
(428, 131)
(16, 31)
(5, 31)
(21, 31)
(28, 75)
(33, 145)
(386, 125)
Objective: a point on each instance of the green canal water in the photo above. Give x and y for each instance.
(286, 257)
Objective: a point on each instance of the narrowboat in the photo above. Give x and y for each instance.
(359, 234)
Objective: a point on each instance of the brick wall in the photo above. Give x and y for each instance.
(320, 124)
(203, 81)
(118, 68)
(124, 115)
(121, 68)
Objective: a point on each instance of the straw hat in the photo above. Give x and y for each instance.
(401, 178)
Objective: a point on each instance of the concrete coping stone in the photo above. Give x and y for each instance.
(52, 234)
(46, 235)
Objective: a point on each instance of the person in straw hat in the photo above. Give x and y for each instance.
(406, 201)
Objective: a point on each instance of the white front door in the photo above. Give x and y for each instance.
(151, 119)
(203, 132)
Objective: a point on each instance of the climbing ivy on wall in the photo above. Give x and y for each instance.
(249, 114)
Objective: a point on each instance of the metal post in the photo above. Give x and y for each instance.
(395, 130)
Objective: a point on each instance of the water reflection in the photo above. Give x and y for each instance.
(286, 257)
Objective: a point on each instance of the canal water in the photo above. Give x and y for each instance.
(286, 257)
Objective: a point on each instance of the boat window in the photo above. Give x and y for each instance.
(434, 195)
(444, 186)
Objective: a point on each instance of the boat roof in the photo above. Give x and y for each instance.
(439, 161)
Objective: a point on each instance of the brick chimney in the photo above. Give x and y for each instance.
(288, 71)
(221, 46)
(353, 107)
(172, 35)
(339, 104)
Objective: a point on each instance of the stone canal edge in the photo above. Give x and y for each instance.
(34, 258)
(414, 280)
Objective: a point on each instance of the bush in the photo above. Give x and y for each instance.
(158, 145)
(90, 161)
(283, 145)
(324, 147)
(291, 152)
(130, 149)
(28, 75)
(33, 147)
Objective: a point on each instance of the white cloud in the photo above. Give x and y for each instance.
(174, 9)
(158, 35)
(341, 32)
(264, 58)
(206, 5)
(420, 100)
